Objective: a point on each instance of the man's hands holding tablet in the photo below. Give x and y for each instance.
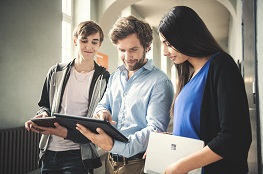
(100, 138)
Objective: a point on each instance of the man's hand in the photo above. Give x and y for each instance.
(101, 139)
(30, 126)
(58, 130)
(104, 115)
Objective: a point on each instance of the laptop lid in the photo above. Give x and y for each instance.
(165, 149)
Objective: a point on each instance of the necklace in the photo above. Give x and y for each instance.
(75, 75)
(77, 78)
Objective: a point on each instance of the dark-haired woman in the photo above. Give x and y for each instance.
(210, 102)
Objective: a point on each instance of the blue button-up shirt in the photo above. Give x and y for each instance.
(139, 105)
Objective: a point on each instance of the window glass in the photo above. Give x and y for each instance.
(66, 7)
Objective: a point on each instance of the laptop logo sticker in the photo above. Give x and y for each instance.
(173, 146)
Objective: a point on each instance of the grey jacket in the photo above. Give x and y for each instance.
(50, 102)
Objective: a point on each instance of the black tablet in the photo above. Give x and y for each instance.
(70, 121)
(44, 121)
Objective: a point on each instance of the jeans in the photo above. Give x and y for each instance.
(63, 162)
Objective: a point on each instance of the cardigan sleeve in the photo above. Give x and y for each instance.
(44, 104)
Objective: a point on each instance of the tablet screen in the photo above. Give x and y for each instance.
(44, 121)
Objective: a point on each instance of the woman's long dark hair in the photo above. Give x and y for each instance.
(186, 32)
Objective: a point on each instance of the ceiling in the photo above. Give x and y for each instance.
(214, 14)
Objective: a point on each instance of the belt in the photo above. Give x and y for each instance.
(119, 158)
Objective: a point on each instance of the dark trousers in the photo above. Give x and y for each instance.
(135, 166)
(65, 162)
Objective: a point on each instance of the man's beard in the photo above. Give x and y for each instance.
(137, 65)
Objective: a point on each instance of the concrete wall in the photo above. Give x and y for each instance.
(30, 34)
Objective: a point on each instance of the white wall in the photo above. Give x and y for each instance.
(30, 43)
(259, 46)
(107, 47)
(235, 32)
(83, 11)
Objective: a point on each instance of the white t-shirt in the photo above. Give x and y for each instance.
(74, 102)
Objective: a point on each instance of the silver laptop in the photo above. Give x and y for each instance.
(164, 149)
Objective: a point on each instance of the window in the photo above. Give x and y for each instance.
(67, 7)
(67, 30)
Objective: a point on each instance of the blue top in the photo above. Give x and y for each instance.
(187, 106)
(139, 105)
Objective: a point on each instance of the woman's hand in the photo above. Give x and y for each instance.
(193, 161)
(175, 168)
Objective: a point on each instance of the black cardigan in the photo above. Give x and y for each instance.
(225, 123)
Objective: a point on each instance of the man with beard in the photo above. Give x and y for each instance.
(137, 99)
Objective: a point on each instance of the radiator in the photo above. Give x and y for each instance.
(18, 151)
